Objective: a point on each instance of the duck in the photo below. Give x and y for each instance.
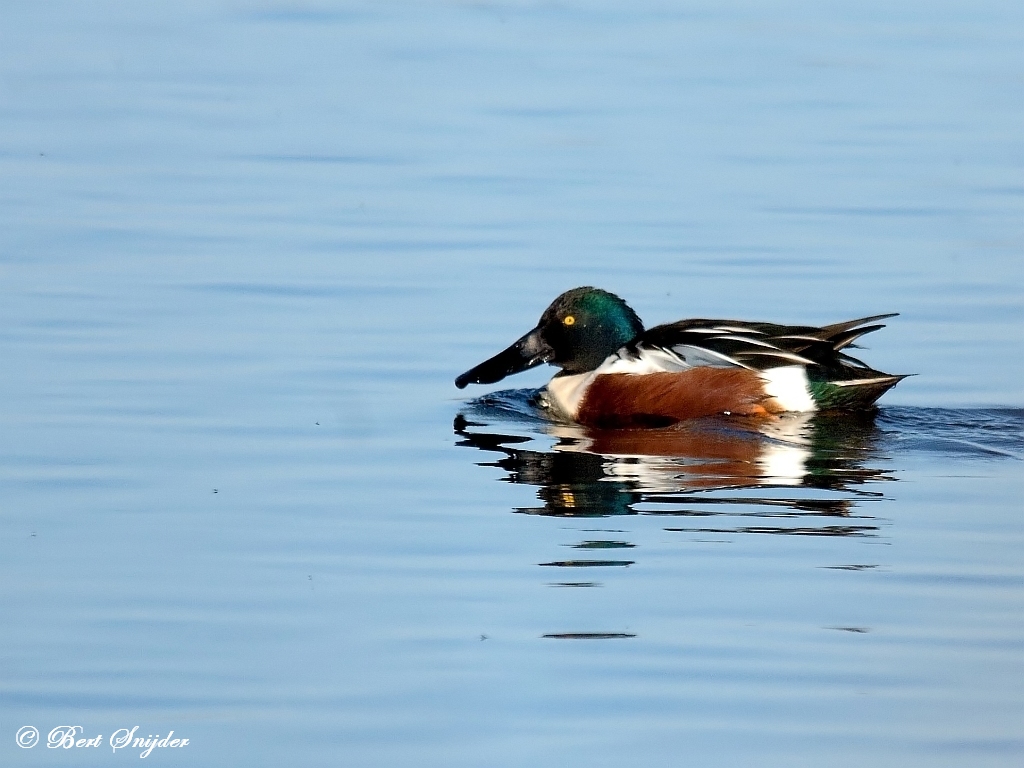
(614, 373)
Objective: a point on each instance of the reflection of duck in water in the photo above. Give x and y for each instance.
(615, 374)
(598, 472)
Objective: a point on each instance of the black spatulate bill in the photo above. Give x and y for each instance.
(529, 351)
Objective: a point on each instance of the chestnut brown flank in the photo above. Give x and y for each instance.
(623, 399)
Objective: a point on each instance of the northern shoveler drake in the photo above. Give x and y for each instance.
(616, 374)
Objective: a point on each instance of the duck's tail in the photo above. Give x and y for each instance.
(853, 393)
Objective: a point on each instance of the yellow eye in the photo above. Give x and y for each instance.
(569, 320)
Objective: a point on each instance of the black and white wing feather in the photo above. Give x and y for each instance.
(756, 346)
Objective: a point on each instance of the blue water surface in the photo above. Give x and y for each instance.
(247, 246)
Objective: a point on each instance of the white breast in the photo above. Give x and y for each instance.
(565, 393)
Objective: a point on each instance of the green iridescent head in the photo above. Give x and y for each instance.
(578, 332)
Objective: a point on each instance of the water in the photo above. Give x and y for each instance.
(246, 249)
